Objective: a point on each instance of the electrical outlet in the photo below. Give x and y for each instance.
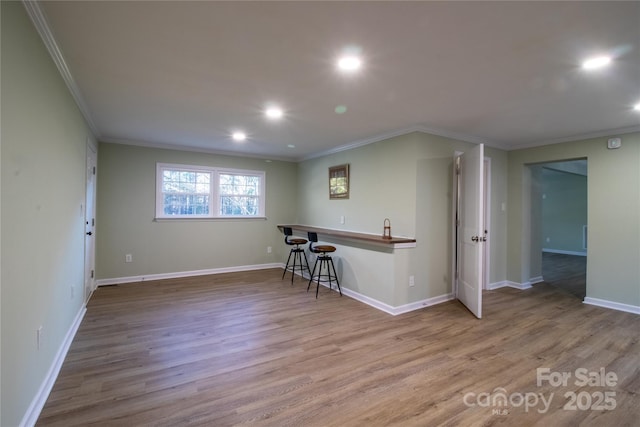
(128, 258)
(342, 219)
(412, 281)
(268, 249)
(548, 239)
(73, 292)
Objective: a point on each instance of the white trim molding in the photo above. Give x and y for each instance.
(612, 305)
(580, 137)
(179, 274)
(560, 251)
(537, 279)
(345, 291)
(389, 309)
(400, 132)
(399, 309)
(509, 284)
(42, 26)
(33, 411)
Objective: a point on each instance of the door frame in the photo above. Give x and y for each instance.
(532, 243)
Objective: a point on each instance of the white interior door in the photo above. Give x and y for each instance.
(471, 229)
(90, 223)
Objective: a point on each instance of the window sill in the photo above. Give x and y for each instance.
(214, 219)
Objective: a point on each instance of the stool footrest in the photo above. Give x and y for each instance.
(298, 253)
(325, 261)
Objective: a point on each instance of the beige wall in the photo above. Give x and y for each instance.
(564, 210)
(409, 180)
(126, 210)
(613, 271)
(415, 195)
(43, 185)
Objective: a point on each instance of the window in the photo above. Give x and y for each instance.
(204, 192)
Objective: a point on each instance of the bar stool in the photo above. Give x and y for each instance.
(325, 260)
(297, 253)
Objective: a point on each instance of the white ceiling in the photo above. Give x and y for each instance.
(185, 74)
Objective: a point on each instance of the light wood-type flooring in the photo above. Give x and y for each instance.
(251, 349)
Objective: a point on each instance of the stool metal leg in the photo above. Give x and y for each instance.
(287, 266)
(297, 263)
(306, 261)
(335, 275)
(293, 269)
(298, 253)
(312, 273)
(298, 257)
(322, 261)
(325, 260)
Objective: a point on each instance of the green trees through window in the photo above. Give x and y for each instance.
(202, 192)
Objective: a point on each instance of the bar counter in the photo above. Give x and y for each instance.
(344, 235)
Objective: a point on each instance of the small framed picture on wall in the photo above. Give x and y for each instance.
(339, 182)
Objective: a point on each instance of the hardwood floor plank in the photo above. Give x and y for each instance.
(250, 349)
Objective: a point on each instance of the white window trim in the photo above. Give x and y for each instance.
(214, 196)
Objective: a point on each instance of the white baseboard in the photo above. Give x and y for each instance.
(534, 280)
(399, 309)
(591, 301)
(33, 411)
(509, 284)
(176, 275)
(422, 304)
(560, 251)
(612, 305)
(383, 306)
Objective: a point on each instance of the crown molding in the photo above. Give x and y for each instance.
(399, 132)
(468, 138)
(178, 147)
(592, 135)
(39, 20)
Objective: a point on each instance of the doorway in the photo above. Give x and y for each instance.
(559, 225)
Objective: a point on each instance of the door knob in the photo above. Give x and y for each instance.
(474, 239)
(89, 233)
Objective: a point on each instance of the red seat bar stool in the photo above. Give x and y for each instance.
(325, 261)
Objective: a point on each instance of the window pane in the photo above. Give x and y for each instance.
(180, 204)
(185, 192)
(185, 182)
(239, 185)
(239, 205)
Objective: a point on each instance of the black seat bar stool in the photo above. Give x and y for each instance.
(297, 253)
(325, 261)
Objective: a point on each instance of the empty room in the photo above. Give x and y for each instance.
(319, 213)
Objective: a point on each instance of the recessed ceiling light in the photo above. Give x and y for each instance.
(349, 63)
(291, 146)
(340, 109)
(273, 112)
(596, 62)
(637, 107)
(239, 136)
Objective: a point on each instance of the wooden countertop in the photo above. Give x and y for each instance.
(394, 242)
